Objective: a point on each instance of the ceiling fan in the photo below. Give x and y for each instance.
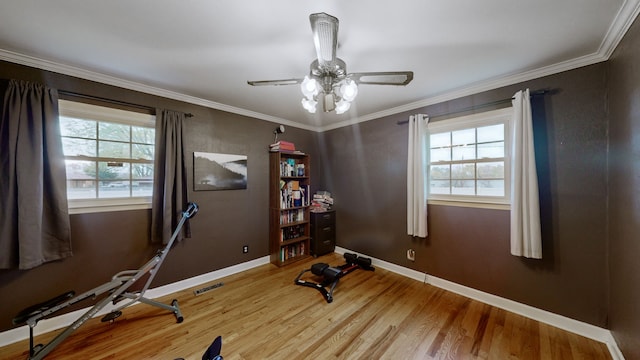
(328, 79)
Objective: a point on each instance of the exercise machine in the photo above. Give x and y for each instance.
(118, 290)
(332, 275)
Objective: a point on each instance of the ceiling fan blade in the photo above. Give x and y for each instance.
(275, 82)
(325, 37)
(383, 78)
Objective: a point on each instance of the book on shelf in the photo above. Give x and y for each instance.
(292, 194)
(290, 168)
(291, 251)
(291, 216)
(292, 232)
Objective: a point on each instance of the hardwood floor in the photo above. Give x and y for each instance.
(261, 314)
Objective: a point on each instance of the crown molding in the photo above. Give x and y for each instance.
(69, 70)
(619, 27)
(623, 20)
(478, 87)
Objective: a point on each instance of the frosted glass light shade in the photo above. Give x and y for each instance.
(309, 105)
(309, 87)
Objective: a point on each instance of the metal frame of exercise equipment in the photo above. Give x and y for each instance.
(117, 289)
(331, 275)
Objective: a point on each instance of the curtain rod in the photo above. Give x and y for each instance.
(476, 107)
(111, 101)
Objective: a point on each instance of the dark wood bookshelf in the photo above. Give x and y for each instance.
(289, 218)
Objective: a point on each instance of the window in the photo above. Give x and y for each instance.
(469, 158)
(108, 155)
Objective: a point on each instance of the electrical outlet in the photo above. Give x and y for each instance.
(245, 249)
(411, 255)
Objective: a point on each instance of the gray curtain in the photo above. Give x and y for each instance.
(34, 216)
(170, 177)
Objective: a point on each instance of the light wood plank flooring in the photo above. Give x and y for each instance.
(261, 314)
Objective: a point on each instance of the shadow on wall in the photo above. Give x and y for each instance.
(543, 131)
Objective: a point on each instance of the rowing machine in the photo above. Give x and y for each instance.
(118, 290)
(332, 275)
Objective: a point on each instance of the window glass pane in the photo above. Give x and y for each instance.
(463, 152)
(114, 149)
(113, 171)
(81, 179)
(142, 191)
(78, 147)
(78, 170)
(440, 140)
(143, 135)
(140, 151)
(463, 187)
(77, 127)
(441, 154)
(439, 187)
(81, 189)
(142, 171)
(118, 132)
(463, 171)
(491, 187)
(142, 188)
(142, 185)
(439, 172)
(491, 150)
(114, 189)
(491, 170)
(491, 133)
(463, 137)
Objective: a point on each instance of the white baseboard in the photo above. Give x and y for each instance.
(565, 323)
(562, 322)
(62, 321)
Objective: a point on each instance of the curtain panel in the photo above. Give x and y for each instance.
(526, 238)
(170, 178)
(34, 215)
(417, 179)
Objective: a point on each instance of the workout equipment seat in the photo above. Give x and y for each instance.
(332, 275)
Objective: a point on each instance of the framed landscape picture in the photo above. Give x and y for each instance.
(214, 171)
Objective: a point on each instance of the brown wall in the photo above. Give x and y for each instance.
(469, 246)
(624, 201)
(106, 243)
(364, 166)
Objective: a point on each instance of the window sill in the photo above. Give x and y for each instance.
(470, 204)
(108, 205)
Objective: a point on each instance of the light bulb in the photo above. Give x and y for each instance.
(309, 87)
(349, 90)
(309, 105)
(342, 106)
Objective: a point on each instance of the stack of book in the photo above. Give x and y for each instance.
(282, 146)
(322, 201)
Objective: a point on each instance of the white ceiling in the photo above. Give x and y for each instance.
(204, 51)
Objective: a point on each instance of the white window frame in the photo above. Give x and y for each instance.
(493, 117)
(101, 113)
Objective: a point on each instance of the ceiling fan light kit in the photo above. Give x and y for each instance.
(328, 80)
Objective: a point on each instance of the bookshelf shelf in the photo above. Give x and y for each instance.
(289, 203)
(293, 224)
(294, 240)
